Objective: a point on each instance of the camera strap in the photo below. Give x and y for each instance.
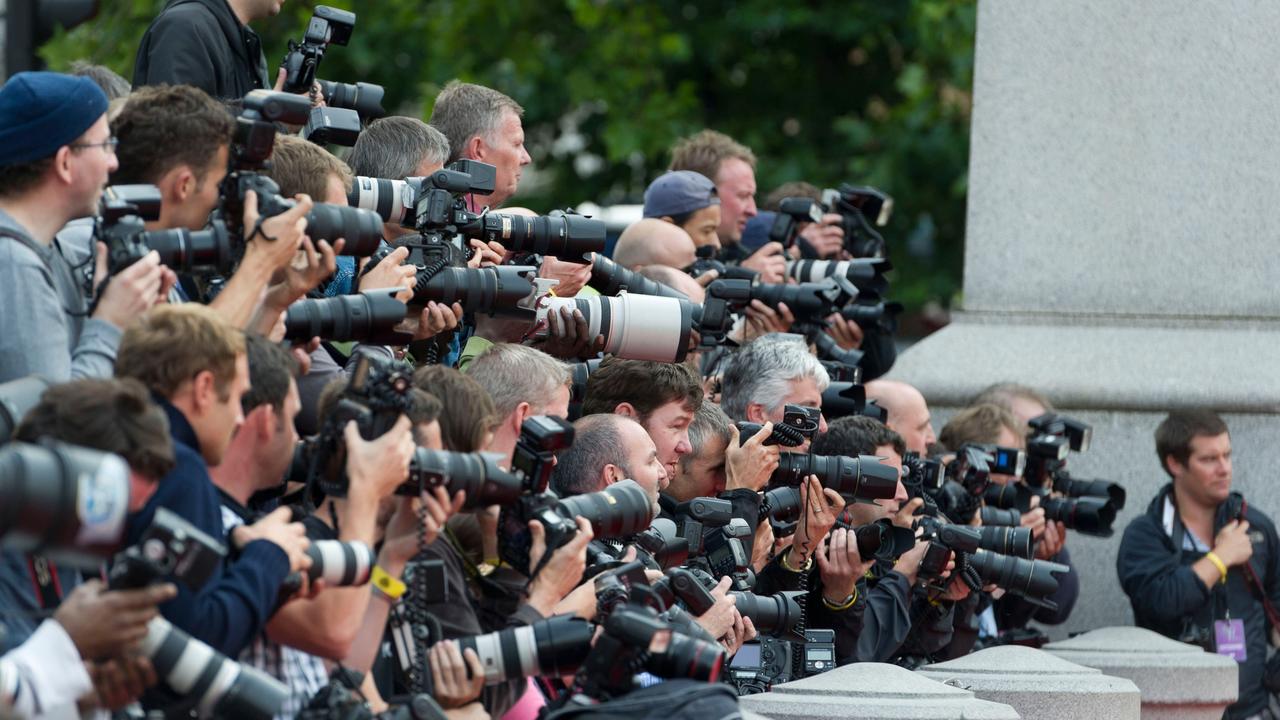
(44, 579)
(1255, 585)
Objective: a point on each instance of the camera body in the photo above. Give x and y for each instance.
(170, 548)
(771, 661)
(859, 207)
(121, 223)
(328, 26)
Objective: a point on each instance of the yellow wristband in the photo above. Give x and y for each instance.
(808, 563)
(845, 605)
(1217, 562)
(387, 585)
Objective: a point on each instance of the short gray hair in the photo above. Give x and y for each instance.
(394, 147)
(762, 371)
(597, 442)
(463, 111)
(513, 374)
(112, 84)
(709, 422)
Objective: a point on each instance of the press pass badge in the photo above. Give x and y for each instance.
(1229, 637)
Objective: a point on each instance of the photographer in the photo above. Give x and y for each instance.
(908, 413)
(1024, 402)
(654, 242)
(395, 148)
(56, 152)
(606, 449)
(208, 44)
(823, 239)
(768, 374)
(483, 124)
(114, 416)
(1201, 565)
(195, 366)
(662, 397)
(732, 167)
(687, 200)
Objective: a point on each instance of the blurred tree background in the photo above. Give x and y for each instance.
(825, 91)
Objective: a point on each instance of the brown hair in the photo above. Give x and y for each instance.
(705, 151)
(163, 126)
(468, 412)
(18, 179)
(1003, 394)
(299, 166)
(423, 406)
(797, 188)
(978, 424)
(172, 344)
(114, 416)
(645, 384)
(1175, 433)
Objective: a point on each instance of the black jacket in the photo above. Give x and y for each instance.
(201, 43)
(1169, 598)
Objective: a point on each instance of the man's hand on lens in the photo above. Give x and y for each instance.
(486, 255)
(1051, 542)
(841, 565)
(120, 681)
(821, 508)
(279, 237)
(718, 619)
(105, 623)
(572, 276)
(909, 564)
(905, 518)
(762, 319)
(741, 631)
(1232, 544)
(569, 336)
(277, 528)
(581, 601)
(846, 333)
(562, 572)
(377, 467)
(132, 291)
(458, 677)
(751, 465)
(391, 273)
(770, 262)
(1034, 519)
(437, 318)
(313, 265)
(956, 590)
(826, 237)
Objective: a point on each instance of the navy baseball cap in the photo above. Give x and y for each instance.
(43, 111)
(679, 192)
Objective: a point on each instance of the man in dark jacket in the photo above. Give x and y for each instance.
(1199, 565)
(206, 43)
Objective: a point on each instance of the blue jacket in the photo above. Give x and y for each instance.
(236, 602)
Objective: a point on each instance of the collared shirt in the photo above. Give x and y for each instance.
(44, 677)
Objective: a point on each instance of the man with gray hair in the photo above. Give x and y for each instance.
(606, 449)
(769, 373)
(483, 124)
(522, 382)
(395, 148)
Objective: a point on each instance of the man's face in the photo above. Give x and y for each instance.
(202, 201)
(504, 149)
(736, 187)
(703, 225)
(262, 9)
(277, 455)
(701, 475)
(804, 391)
(225, 416)
(91, 166)
(669, 427)
(911, 421)
(1206, 477)
(643, 464)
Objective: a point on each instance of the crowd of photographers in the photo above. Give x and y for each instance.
(293, 436)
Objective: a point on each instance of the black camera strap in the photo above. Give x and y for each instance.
(1255, 586)
(44, 579)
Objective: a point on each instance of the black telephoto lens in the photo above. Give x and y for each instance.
(883, 540)
(369, 317)
(1033, 579)
(491, 291)
(192, 251)
(1006, 497)
(476, 474)
(999, 516)
(362, 229)
(611, 278)
(620, 510)
(1087, 515)
(364, 98)
(775, 615)
(555, 646)
(806, 300)
(1014, 541)
(663, 542)
(569, 237)
(861, 478)
(1075, 487)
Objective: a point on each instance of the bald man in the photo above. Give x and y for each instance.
(654, 242)
(908, 412)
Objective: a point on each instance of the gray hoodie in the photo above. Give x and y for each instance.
(44, 325)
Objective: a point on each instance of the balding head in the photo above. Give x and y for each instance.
(908, 412)
(654, 242)
(677, 280)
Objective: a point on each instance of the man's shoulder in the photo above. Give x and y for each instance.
(191, 18)
(16, 253)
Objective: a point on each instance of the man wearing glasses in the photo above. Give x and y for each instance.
(56, 152)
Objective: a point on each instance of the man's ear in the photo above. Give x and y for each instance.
(522, 413)
(476, 148)
(626, 409)
(1173, 467)
(62, 164)
(755, 413)
(612, 474)
(261, 421)
(204, 391)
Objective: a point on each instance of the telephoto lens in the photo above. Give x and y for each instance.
(1007, 497)
(554, 647)
(507, 290)
(809, 302)
(393, 200)
(1000, 516)
(883, 540)
(368, 317)
(680, 656)
(569, 237)
(361, 229)
(1031, 579)
(636, 327)
(1014, 541)
(364, 98)
(478, 475)
(1075, 487)
(191, 252)
(866, 274)
(17, 397)
(620, 510)
(210, 682)
(862, 478)
(776, 615)
(663, 543)
(64, 501)
(610, 278)
(340, 564)
(1086, 515)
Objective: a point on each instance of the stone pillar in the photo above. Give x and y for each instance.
(1120, 253)
(1177, 681)
(872, 691)
(1040, 685)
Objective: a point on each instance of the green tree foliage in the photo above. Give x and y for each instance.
(863, 91)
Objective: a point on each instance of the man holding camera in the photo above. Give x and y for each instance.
(56, 152)
(208, 44)
(606, 449)
(1202, 565)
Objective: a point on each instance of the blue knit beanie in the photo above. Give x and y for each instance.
(42, 111)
